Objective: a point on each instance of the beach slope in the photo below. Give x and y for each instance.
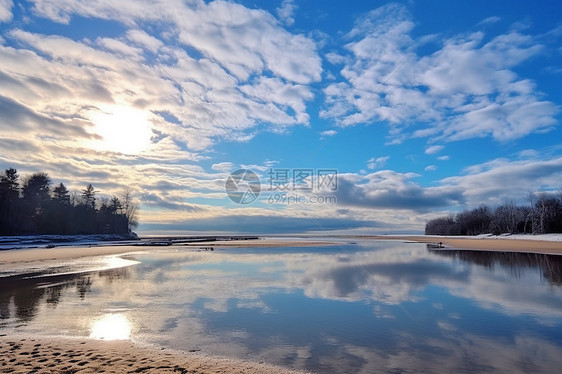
(70, 355)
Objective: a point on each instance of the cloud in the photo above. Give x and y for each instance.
(328, 133)
(490, 20)
(500, 180)
(243, 41)
(444, 158)
(198, 66)
(387, 189)
(374, 163)
(201, 73)
(434, 149)
(223, 166)
(6, 10)
(141, 38)
(192, 93)
(430, 168)
(468, 88)
(242, 224)
(17, 118)
(286, 12)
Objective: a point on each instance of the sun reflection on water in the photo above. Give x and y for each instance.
(111, 327)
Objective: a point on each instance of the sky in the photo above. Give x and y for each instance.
(359, 117)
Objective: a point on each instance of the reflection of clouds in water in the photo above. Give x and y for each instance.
(391, 275)
(388, 282)
(499, 292)
(221, 302)
(466, 353)
(511, 283)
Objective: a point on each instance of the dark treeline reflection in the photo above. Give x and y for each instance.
(20, 297)
(550, 265)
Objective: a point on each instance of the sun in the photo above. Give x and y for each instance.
(123, 129)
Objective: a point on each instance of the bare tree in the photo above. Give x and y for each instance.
(130, 207)
(531, 198)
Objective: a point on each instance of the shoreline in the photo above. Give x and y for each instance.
(24, 354)
(79, 250)
(480, 243)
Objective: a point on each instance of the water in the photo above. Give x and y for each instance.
(354, 308)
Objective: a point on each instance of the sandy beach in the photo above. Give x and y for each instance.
(483, 244)
(75, 355)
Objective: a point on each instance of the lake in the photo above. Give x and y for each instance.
(364, 307)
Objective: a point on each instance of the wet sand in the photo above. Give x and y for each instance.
(69, 252)
(484, 244)
(253, 243)
(70, 355)
(59, 253)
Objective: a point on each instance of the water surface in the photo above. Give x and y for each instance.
(373, 306)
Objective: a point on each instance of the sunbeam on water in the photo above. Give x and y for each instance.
(111, 327)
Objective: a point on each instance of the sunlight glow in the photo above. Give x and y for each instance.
(123, 129)
(111, 327)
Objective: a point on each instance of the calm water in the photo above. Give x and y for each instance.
(355, 308)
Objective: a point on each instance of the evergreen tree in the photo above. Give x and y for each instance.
(36, 196)
(9, 202)
(89, 197)
(61, 195)
(37, 211)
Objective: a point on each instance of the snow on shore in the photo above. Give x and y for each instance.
(540, 237)
(36, 241)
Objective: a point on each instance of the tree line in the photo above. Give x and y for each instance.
(543, 215)
(35, 207)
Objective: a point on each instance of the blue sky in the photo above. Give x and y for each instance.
(424, 108)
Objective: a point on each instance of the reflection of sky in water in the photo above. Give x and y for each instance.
(111, 327)
(377, 306)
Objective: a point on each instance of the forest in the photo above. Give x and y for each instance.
(36, 207)
(543, 215)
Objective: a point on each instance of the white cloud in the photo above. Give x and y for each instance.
(6, 10)
(374, 163)
(243, 41)
(141, 38)
(529, 153)
(387, 189)
(234, 78)
(492, 183)
(444, 158)
(468, 88)
(490, 20)
(328, 133)
(205, 94)
(286, 12)
(434, 149)
(500, 180)
(223, 166)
